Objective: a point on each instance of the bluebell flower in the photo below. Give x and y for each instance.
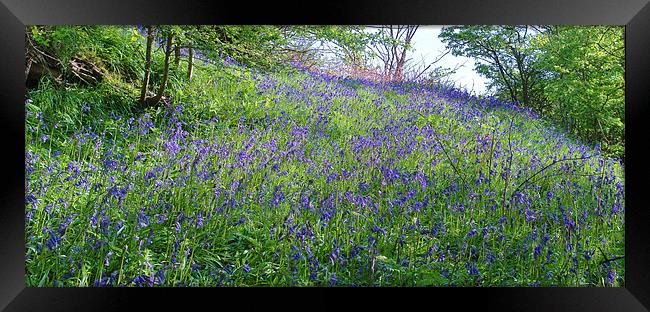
(54, 240)
(107, 259)
(472, 269)
(333, 279)
(530, 215)
(199, 220)
(611, 277)
(144, 280)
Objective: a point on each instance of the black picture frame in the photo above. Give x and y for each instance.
(15, 14)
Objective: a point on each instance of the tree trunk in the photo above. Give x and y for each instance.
(168, 51)
(147, 65)
(526, 94)
(190, 67)
(523, 76)
(513, 96)
(177, 55)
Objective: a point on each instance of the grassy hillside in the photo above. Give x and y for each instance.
(296, 178)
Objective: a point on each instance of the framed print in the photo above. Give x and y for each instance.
(465, 149)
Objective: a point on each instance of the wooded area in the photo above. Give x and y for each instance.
(572, 76)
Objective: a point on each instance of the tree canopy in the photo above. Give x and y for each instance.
(572, 75)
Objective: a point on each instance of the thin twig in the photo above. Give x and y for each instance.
(444, 150)
(608, 260)
(546, 167)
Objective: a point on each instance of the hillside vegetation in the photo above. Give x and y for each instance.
(288, 177)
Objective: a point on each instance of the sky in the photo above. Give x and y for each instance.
(427, 45)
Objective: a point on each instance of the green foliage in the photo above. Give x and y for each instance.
(504, 56)
(256, 45)
(116, 49)
(349, 43)
(572, 75)
(584, 82)
(63, 109)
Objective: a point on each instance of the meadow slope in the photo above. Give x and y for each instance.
(298, 178)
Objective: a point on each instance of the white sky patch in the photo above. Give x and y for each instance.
(427, 45)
